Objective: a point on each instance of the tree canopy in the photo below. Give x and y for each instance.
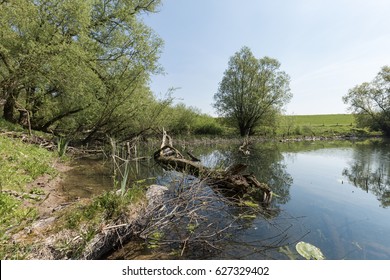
(252, 91)
(370, 102)
(78, 67)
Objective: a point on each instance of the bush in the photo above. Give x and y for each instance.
(207, 125)
(297, 130)
(183, 120)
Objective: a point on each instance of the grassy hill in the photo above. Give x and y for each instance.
(320, 125)
(324, 120)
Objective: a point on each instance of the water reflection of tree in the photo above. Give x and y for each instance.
(201, 222)
(265, 162)
(370, 170)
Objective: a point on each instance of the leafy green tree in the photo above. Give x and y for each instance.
(77, 67)
(252, 91)
(39, 53)
(180, 119)
(370, 102)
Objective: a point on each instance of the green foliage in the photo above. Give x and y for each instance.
(109, 202)
(37, 191)
(207, 125)
(21, 163)
(62, 145)
(78, 68)
(183, 120)
(370, 102)
(252, 91)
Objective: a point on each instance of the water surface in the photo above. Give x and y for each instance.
(334, 195)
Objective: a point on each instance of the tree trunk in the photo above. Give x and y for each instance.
(245, 130)
(9, 109)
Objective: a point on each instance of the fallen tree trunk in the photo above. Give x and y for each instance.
(170, 158)
(231, 181)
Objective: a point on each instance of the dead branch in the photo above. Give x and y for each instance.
(244, 148)
(193, 158)
(231, 181)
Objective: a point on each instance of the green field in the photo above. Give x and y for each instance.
(324, 120)
(319, 125)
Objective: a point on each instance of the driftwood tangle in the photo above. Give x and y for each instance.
(232, 180)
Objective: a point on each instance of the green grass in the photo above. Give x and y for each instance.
(320, 125)
(22, 163)
(7, 126)
(107, 206)
(87, 218)
(324, 120)
(13, 218)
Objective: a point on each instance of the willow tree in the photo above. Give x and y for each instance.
(252, 91)
(370, 102)
(75, 66)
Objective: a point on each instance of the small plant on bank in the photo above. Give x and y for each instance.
(37, 191)
(62, 146)
(80, 223)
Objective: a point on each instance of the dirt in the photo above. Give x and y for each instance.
(52, 195)
(47, 198)
(46, 242)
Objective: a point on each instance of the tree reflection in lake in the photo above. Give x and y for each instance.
(265, 161)
(319, 206)
(198, 221)
(370, 170)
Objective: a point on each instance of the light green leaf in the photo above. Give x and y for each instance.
(250, 204)
(309, 251)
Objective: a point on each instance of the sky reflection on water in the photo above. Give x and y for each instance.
(345, 221)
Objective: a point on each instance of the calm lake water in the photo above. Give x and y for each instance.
(342, 194)
(334, 195)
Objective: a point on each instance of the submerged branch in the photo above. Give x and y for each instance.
(231, 181)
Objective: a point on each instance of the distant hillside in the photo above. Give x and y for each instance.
(320, 125)
(324, 120)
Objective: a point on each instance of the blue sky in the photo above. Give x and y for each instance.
(326, 46)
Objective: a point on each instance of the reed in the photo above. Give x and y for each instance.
(62, 146)
(120, 162)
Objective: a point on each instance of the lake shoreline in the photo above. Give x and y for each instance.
(54, 203)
